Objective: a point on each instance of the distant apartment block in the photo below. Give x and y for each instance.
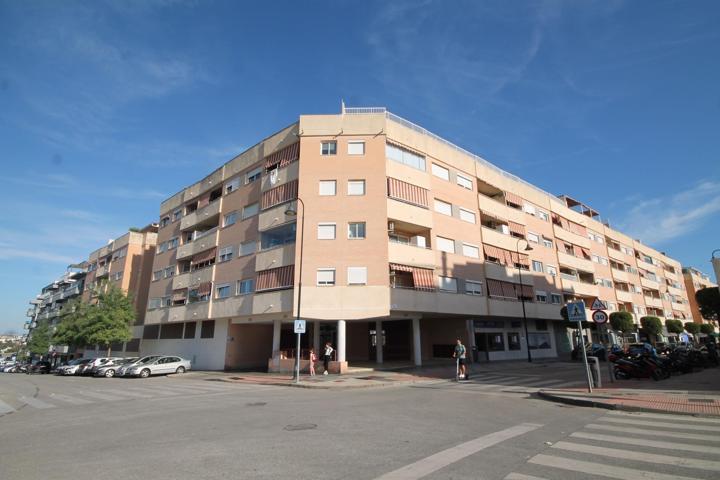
(696, 280)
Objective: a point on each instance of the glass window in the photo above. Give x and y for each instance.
(467, 215)
(551, 270)
(447, 284)
(541, 325)
(232, 185)
(464, 182)
(177, 214)
(542, 215)
(357, 276)
(173, 243)
(225, 254)
(445, 244)
(282, 235)
(326, 231)
(248, 248)
(471, 251)
(356, 230)
(513, 341)
(537, 266)
(356, 187)
(157, 275)
(529, 208)
(496, 342)
(533, 237)
(328, 187)
(230, 219)
(405, 157)
(326, 276)
(169, 271)
(440, 172)
(555, 299)
(547, 242)
(250, 210)
(356, 148)
(253, 175)
(328, 148)
(443, 207)
(539, 341)
(222, 291)
(473, 287)
(541, 297)
(245, 286)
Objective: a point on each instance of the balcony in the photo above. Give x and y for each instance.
(410, 300)
(189, 279)
(275, 257)
(408, 254)
(648, 283)
(233, 306)
(500, 210)
(499, 239)
(653, 302)
(616, 255)
(575, 262)
(620, 275)
(274, 301)
(573, 284)
(208, 183)
(102, 271)
(284, 175)
(507, 274)
(675, 291)
(571, 237)
(207, 214)
(409, 213)
(624, 296)
(201, 243)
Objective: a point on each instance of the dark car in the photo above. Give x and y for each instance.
(40, 367)
(592, 350)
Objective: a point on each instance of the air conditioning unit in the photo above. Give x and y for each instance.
(418, 241)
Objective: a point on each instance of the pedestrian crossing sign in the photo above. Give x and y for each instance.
(576, 312)
(598, 305)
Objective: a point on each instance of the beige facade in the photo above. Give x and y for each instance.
(696, 280)
(409, 242)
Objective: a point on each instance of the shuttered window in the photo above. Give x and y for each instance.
(407, 192)
(283, 158)
(280, 194)
(275, 278)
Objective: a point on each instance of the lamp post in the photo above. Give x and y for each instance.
(716, 265)
(293, 213)
(527, 248)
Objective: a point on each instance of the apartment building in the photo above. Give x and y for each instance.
(126, 263)
(696, 280)
(400, 243)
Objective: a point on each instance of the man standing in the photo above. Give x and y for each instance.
(459, 355)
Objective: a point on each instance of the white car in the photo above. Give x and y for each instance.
(72, 367)
(157, 366)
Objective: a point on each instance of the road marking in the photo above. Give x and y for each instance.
(663, 416)
(520, 476)
(650, 423)
(100, 396)
(660, 433)
(439, 460)
(5, 408)
(72, 400)
(128, 393)
(36, 402)
(639, 456)
(601, 469)
(686, 447)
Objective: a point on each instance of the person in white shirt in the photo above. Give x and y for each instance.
(327, 356)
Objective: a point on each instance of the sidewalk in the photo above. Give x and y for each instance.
(690, 394)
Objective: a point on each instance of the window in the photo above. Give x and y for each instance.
(232, 185)
(328, 148)
(529, 208)
(356, 148)
(207, 330)
(225, 254)
(250, 210)
(547, 242)
(282, 235)
(495, 342)
(173, 243)
(467, 216)
(247, 248)
(164, 221)
(539, 341)
(551, 270)
(440, 172)
(445, 244)
(356, 230)
(464, 182)
(198, 295)
(245, 286)
(537, 266)
(161, 247)
(222, 291)
(533, 237)
(117, 276)
(405, 157)
(473, 287)
(253, 175)
(157, 275)
(230, 219)
(541, 297)
(555, 299)
(513, 341)
(356, 187)
(543, 215)
(328, 187)
(541, 325)
(357, 276)
(471, 251)
(447, 284)
(326, 276)
(154, 303)
(169, 271)
(326, 231)
(177, 214)
(443, 207)
(612, 307)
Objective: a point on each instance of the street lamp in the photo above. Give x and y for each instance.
(293, 213)
(716, 265)
(527, 248)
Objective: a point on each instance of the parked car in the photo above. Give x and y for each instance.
(124, 370)
(42, 366)
(110, 368)
(9, 367)
(73, 366)
(92, 366)
(592, 350)
(158, 366)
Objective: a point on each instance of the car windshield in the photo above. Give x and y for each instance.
(126, 361)
(147, 360)
(74, 362)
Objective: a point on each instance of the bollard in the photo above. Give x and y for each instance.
(595, 371)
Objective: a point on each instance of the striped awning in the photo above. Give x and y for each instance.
(203, 201)
(509, 290)
(203, 257)
(400, 268)
(280, 277)
(284, 157)
(577, 228)
(407, 192)
(280, 194)
(204, 288)
(179, 295)
(495, 288)
(517, 228)
(528, 292)
(513, 198)
(423, 279)
(585, 252)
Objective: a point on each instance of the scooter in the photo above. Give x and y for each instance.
(637, 367)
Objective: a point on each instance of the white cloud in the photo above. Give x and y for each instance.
(18, 253)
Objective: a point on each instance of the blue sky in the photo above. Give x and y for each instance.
(107, 107)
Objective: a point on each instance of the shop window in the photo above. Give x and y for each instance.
(513, 339)
(539, 341)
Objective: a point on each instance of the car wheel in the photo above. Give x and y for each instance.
(109, 373)
(180, 370)
(145, 373)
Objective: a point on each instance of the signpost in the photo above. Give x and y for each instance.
(299, 330)
(600, 317)
(576, 313)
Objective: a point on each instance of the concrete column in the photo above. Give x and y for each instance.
(471, 340)
(379, 338)
(316, 337)
(341, 341)
(277, 327)
(417, 353)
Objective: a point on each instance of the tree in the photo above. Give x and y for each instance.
(707, 328)
(674, 326)
(110, 320)
(708, 300)
(39, 341)
(75, 317)
(622, 322)
(692, 327)
(651, 325)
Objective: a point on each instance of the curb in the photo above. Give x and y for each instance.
(579, 402)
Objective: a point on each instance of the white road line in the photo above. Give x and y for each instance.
(650, 423)
(520, 476)
(663, 416)
(686, 447)
(653, 433)
(36, 402)
(101, 396)
(72, 400)
(601, 469)
(435, 462)
(218, 388)
(128, 393)
(5, 408)
(639, 456)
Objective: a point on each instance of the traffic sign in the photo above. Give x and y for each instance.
(576, 312)
(599, 317)
(299, 326)
(598, 305)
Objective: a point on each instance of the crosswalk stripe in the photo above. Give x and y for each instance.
(198, 387)
(639, 456)
(101, 396)
(591, 468)
(660, 433)
(686, 447)
(650, 423)
(72, 400)
(663, 416)
(128, 393)
(36, 402)
(5, 408)
(521, 476)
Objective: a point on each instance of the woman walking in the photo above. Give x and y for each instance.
(327, 356)
(313, 359)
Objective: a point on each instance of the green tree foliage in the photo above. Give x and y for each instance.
(708, 300)
(651, 325)
(674, 326)
(707, 328)
(39, 341)
(692, 327)
(622, 322)
(75, 317)
(110, 319)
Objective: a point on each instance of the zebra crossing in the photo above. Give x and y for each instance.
(513, 386)
(11, 403)
(624, 446)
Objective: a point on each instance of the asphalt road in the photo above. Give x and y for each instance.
(190, 428)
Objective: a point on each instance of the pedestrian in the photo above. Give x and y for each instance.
(327, 356)
(313, 359)
(459, 355)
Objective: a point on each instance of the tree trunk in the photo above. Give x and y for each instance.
(109, 349)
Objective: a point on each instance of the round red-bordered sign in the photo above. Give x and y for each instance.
(599, 317)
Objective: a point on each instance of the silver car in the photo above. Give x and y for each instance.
(124, 370)
(158, 366)
(110, 368)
